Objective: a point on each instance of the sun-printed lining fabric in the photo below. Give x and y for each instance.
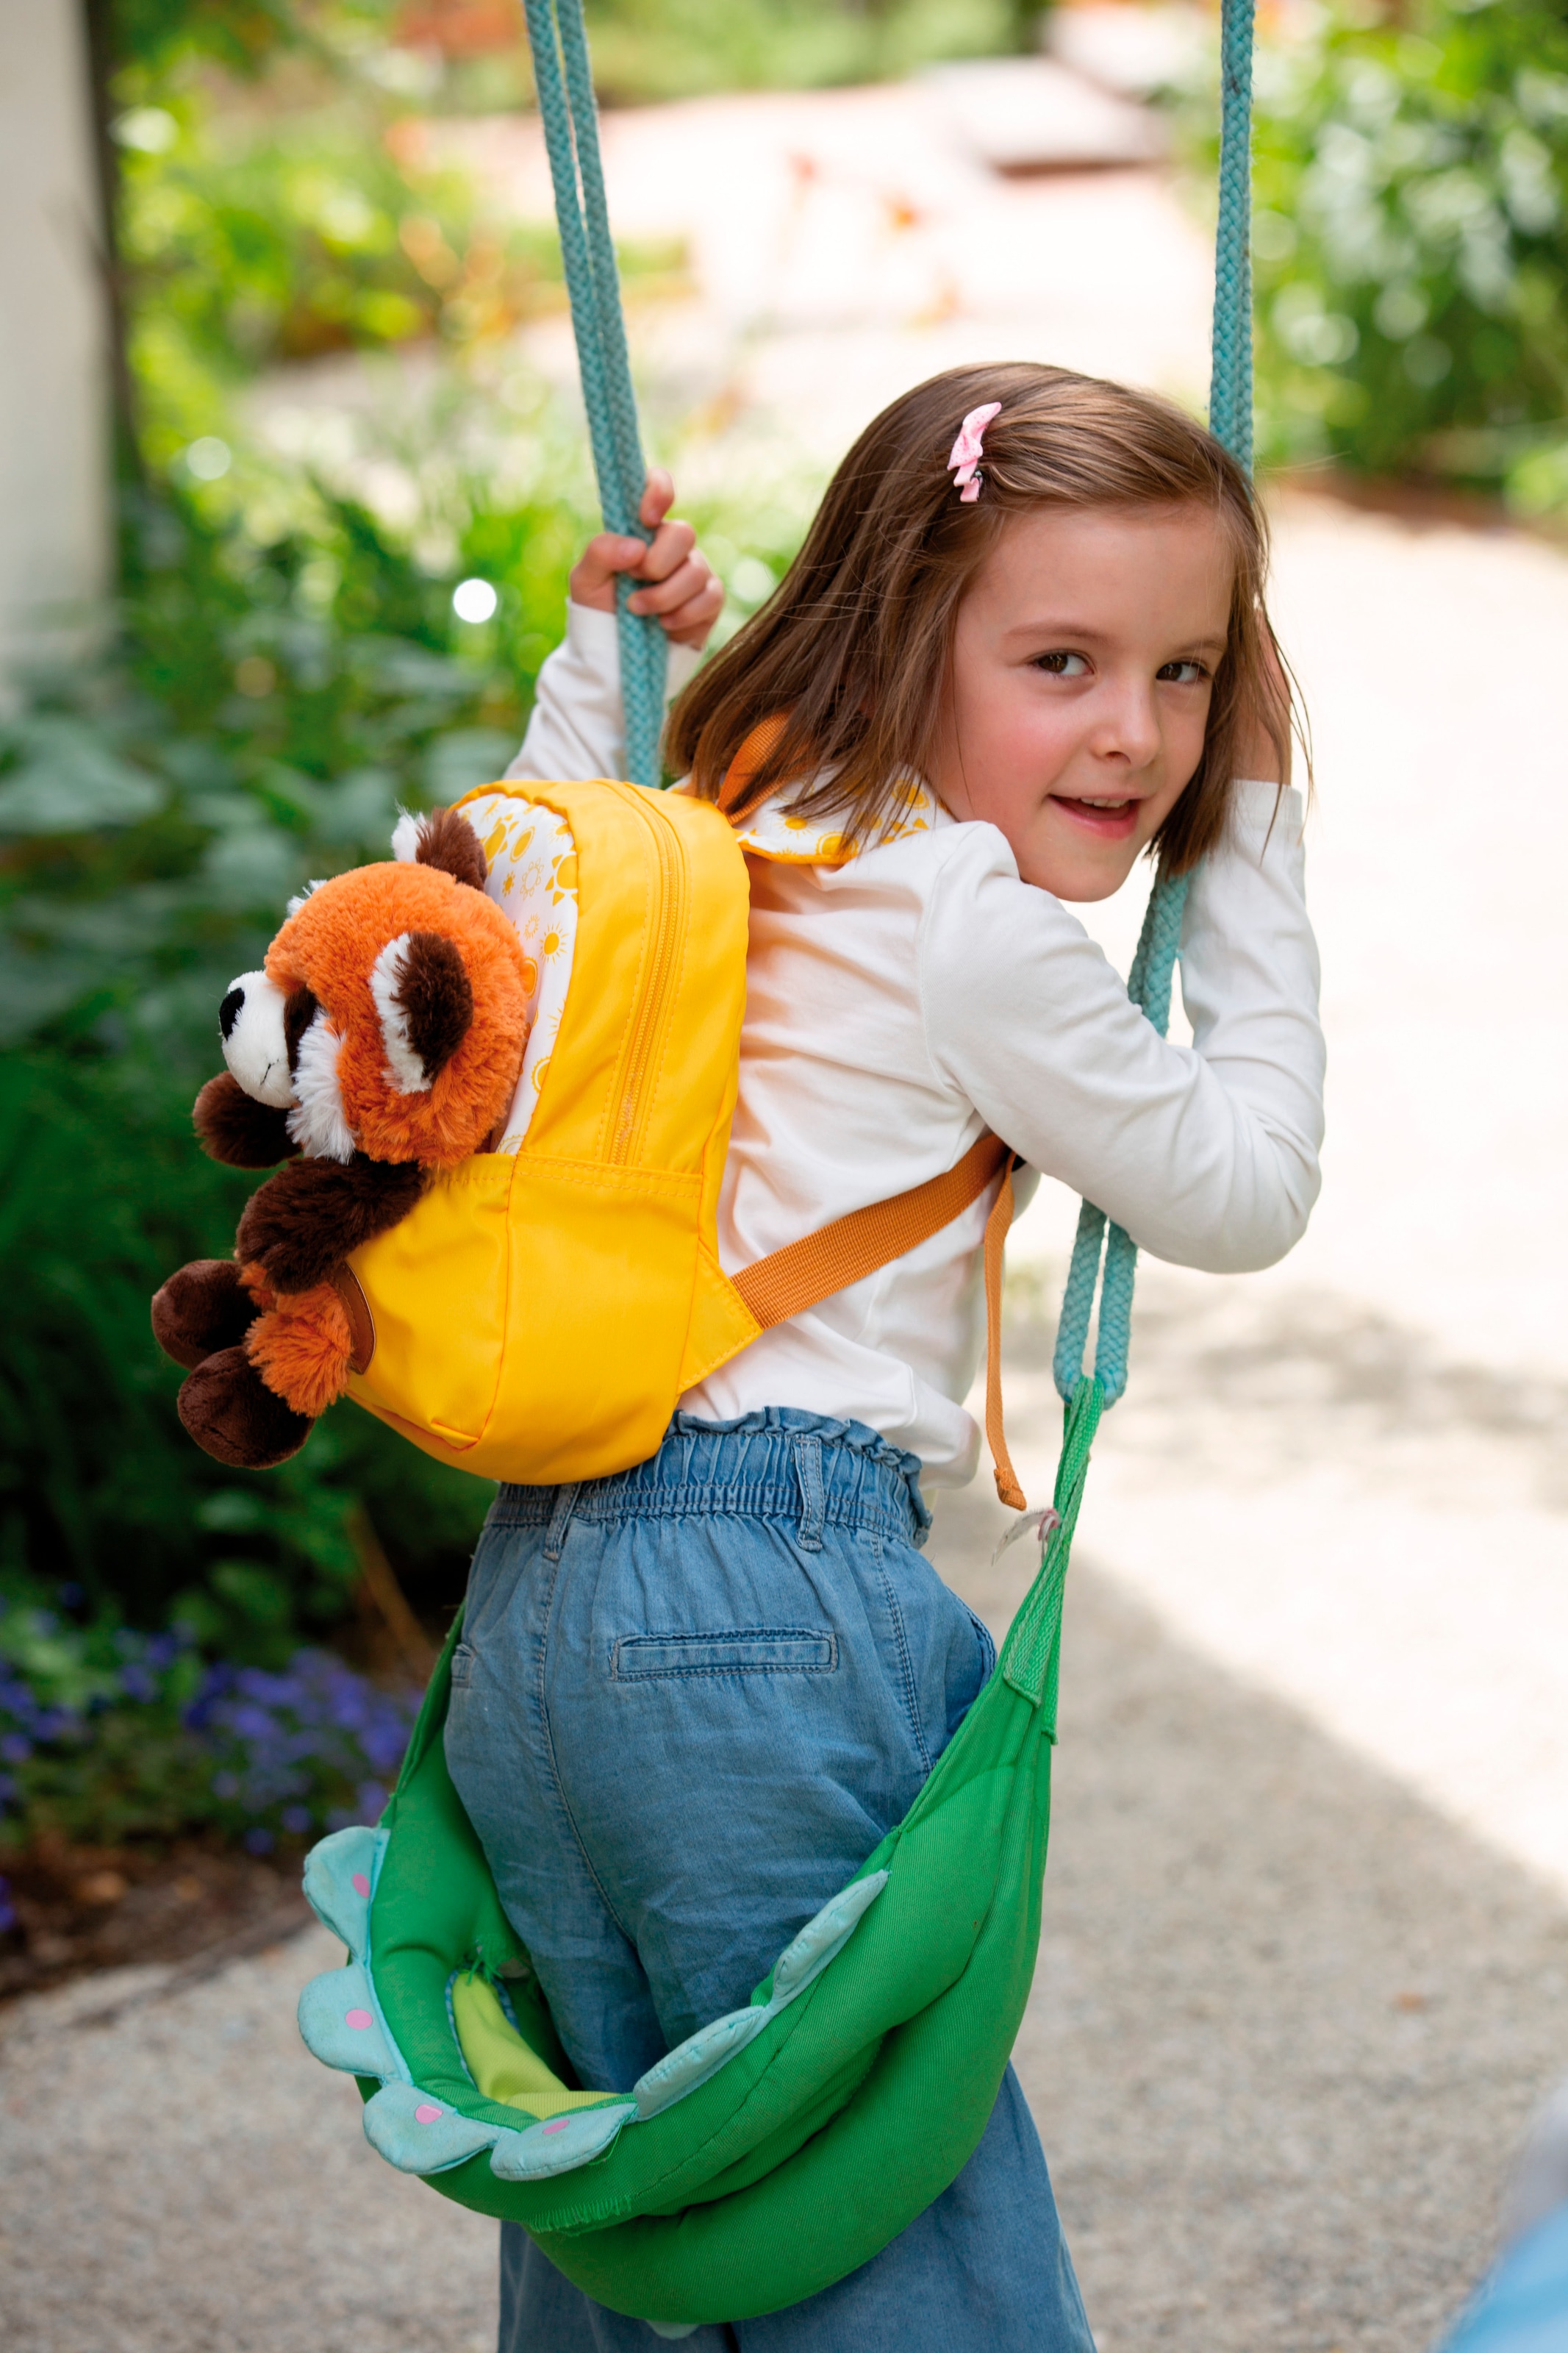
(779, 832)
(532, 862)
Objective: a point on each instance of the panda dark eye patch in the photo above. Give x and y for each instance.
(228, 1011)
(299, 1012)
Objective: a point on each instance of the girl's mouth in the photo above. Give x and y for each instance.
(1111, 821)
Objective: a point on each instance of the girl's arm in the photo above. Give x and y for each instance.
(576, 728)
(1207, 1154)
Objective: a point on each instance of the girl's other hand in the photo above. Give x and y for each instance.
(683, 590)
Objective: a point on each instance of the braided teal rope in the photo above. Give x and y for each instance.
(565, 84)
(1230, 384)
(1105, 1260)
(1149, 986)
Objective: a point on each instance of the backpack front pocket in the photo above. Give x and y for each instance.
(436, 1287)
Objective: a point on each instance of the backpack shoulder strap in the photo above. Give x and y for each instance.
(792, 1279)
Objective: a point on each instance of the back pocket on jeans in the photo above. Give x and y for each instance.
(742, 1651)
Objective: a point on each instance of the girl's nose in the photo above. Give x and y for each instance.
(1126, 729)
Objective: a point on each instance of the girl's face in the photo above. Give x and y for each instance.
(1083, 664)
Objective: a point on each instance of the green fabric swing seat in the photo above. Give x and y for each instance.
(780, 2147)
(784, 2145)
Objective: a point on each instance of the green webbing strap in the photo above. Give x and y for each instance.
(565, 83)
(1031, 1655)
(1154, 966)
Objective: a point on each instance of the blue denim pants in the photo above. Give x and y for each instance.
(688, 1701)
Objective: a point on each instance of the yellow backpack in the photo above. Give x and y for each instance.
(537, 1315)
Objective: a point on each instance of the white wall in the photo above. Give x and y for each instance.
(54, 447)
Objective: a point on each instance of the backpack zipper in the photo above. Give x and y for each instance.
(668, 915)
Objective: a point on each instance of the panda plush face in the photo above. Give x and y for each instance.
(252, 1023)
(391, 1016)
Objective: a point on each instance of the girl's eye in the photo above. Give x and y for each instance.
(1062, 665)
(1183, 673)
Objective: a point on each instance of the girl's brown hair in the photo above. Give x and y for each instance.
(853, 647)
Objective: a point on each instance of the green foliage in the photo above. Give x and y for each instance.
(263, 712)
(284, 669)
(243, 37)
(108, 1736)
(250, 241)
(1411, 243)
(295, 235)
(93, 1741)
(646, 50)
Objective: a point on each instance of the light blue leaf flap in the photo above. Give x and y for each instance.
(339, 2021)
(340, 1881)
(700, 2055)
(821, 1938)
(558, 2145)
(419, 2135)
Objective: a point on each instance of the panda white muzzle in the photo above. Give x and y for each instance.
(250, 1022)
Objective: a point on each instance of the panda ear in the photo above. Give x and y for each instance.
(442, 839)
(425, 1005)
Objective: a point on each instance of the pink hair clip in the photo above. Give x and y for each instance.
(968, 450)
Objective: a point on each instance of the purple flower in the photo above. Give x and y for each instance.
(258, 1841)
(138, 1684)
(15, 1748)
(8, 1909)
(296, 1819)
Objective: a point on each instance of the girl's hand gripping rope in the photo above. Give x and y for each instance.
(683, 589)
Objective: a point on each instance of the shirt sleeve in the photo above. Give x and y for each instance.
(1207, 1154)
(576, 727)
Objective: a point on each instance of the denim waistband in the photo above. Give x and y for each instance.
(779, 1463)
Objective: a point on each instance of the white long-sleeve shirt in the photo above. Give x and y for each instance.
(898, 1004)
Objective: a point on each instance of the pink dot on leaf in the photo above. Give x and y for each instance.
(557, 2127)
(360, 1884)
(425, 2113)
(359, 2019)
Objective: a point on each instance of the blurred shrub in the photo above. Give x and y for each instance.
(1410, 241)
(251, 238)
(262, 713)
(646, 50)
(285, 669)
(108, 1736)
(291, 235)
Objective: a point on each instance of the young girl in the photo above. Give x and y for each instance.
(1024, 642)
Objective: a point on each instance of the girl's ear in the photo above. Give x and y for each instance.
(445, 840)
(425, 1003)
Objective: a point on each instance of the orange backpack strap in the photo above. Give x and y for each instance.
(759, 743)
(790, 1280)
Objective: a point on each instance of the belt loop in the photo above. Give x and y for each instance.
(808, 1475)
(560, 1520)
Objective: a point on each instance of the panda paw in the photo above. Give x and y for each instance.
(202, 1308)
(232, 1127)
(233, 1415)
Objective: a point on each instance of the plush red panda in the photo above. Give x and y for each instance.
(382, 1040)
